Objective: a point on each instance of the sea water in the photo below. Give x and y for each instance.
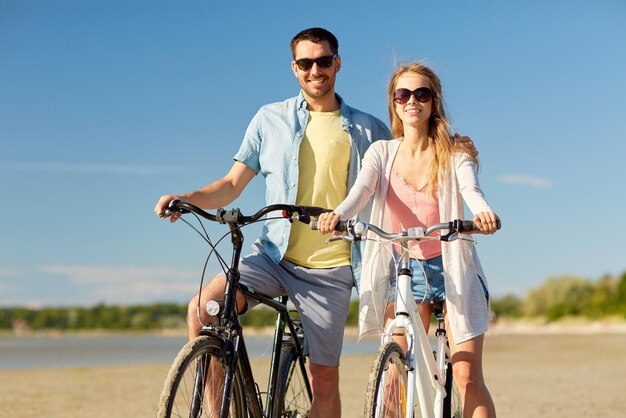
(66, 350)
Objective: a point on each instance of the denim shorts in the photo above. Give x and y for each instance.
(426, 289)
(430, 288)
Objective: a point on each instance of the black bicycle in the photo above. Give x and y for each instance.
(211, 375)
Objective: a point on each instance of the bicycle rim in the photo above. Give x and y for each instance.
(387, 386)
(293, 396)
(194, 385)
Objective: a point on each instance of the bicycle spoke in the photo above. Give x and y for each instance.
(195, 385)
(387, 388)
(293, 398)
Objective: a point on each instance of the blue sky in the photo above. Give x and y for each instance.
(106, 105)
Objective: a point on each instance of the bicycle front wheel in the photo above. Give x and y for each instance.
(195, 383)
(387, 387)
(452, 407)
(292, 397)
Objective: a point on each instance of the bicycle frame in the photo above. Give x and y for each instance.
(227, 327)
(239, 354)
(283, 320)
(425, 374)
(426, 371)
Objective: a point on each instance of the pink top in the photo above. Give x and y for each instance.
(410, 207)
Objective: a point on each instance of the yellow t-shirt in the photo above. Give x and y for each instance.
(323, 161)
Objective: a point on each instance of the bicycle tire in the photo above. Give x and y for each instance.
(452, 406)
(293, 396)
(383, 399)
(178, 390)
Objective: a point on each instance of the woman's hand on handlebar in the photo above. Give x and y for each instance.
(161, 206)
(486, 222)
(326, 223)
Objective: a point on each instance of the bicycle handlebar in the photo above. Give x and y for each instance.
(234, 216)
(358, 230)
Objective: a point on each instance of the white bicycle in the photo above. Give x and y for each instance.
(417, 382)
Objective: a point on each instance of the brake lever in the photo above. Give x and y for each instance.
(340, 237)
(462, 237)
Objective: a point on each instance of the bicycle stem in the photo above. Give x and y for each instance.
(404, 281)
(232, 276)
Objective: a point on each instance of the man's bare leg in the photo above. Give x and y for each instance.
(325, 386)
(196, 317)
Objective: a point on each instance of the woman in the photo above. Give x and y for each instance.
(419, 179)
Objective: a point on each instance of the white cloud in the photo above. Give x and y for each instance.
(525, 181)
(92, 284)
(149, 290)
(54, 167)
(10, 273)
(109, 275)
(130, 284)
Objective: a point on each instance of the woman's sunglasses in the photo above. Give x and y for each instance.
(326, 61)
(422, 95)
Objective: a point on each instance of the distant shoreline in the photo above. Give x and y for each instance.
(569, 326)
(506, 326)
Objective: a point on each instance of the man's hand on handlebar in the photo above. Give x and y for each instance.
(162, 205)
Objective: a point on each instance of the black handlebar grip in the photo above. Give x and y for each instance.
(467, 226)
(341, 226)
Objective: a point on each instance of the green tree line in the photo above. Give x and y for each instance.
(556, 298)
(113, 317)
(568, 296)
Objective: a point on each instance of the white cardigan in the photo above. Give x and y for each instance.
(468, 309)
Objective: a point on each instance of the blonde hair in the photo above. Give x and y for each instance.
(438, 125)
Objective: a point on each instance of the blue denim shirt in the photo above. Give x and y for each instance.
(271, 148)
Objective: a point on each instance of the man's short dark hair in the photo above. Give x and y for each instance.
(315, 35)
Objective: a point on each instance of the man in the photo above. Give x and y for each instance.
(308, 148)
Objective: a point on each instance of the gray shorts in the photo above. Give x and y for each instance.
(322, 297)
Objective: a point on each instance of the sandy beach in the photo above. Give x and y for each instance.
(531, 372)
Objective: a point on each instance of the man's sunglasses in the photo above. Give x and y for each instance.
(422, 95)
(326, 61)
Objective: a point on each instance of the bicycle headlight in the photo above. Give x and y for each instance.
(213, 308)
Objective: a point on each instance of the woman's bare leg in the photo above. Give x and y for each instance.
(467, 369)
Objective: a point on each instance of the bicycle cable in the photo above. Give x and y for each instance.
(222, 262)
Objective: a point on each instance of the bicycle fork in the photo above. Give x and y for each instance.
(230, 359)
(199, 385)
(441, 354)
(203, 371)
(424, 375)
